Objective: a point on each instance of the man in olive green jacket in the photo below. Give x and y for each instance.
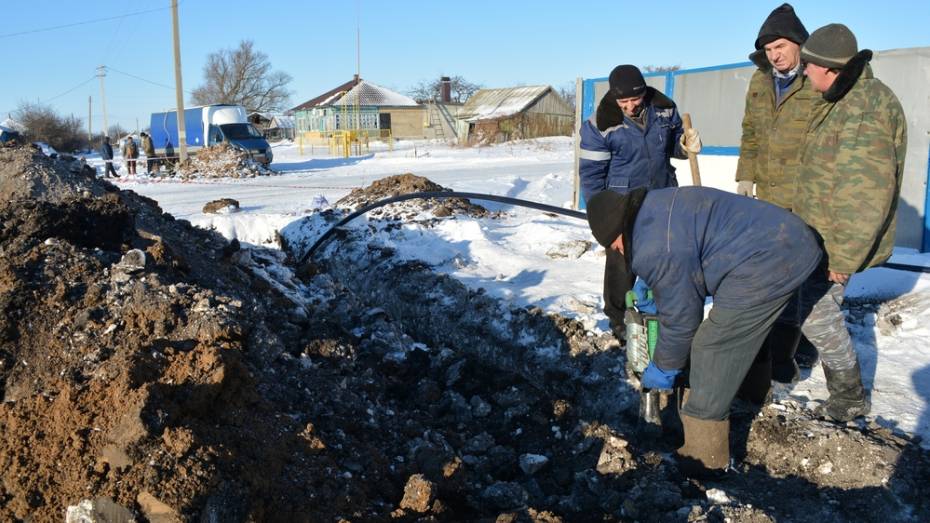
(848, 187)
(779, 104)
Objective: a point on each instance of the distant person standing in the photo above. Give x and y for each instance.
(169, 155)
(106, 152)
(130, 153)
(149, 149)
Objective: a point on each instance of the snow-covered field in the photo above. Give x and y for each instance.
(509, 259)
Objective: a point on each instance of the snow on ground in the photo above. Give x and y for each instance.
(509, 258)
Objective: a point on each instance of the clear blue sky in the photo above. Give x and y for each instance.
(494, 43)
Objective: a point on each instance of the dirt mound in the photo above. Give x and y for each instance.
(26, 173)
(408, 183)
(222, 161)
(150, 364)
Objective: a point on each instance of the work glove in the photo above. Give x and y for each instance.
(644, 302)
(745, 188)
(690, 141)
(656, 378)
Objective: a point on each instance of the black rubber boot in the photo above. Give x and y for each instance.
(847, 399)
(782, 341)
(806, 356)
(758, 381)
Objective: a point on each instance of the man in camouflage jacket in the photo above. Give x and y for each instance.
(848, 187)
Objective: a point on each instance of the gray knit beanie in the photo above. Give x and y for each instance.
(830, 46)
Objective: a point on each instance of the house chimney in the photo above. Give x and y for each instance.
(445, 89)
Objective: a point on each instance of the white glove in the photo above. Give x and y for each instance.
(690, 141)
(745, 187)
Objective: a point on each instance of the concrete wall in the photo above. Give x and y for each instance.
(406, 122)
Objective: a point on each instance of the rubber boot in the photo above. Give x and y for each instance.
(782, 341)
(847, 399)
(806, 356)
(758, 381)
(706, 451)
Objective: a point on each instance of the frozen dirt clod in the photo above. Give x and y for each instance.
(211, 385)
(221, 206)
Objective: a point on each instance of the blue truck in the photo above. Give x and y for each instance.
(209, 125)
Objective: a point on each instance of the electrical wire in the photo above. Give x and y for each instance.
(85, 82)
(143, 79)
(85, 22)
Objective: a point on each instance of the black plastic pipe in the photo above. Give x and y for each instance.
(435, 194)
(503, 199)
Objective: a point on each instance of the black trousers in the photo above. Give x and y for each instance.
(618, 279)
(109, 169)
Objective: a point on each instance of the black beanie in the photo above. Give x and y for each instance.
(781, 23)
(830, 46)
(626, 81)
(605, 216)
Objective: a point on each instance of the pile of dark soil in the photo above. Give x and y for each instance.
(150, 364)
(408, 183)
(222, 161)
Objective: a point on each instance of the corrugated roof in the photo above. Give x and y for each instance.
(280, 121)
(371, 94)
(493, 104)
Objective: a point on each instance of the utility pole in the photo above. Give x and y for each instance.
(90, 114)
(178, 89)
(101, 73)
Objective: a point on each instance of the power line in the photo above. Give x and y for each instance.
(69, 90)
(85, 22)
(143, 79)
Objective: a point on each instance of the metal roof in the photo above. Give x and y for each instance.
(371, 94)
(493, 104)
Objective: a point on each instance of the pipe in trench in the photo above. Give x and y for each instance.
(495, 198)
(436, 194)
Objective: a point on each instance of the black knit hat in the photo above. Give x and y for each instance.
(781, 23)
(626, 81)
(830, 46)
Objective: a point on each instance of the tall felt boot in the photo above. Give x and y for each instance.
(783, 343)
(758, 381)
(847, 399)
(707, 447)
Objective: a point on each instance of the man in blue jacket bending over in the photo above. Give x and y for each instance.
(690, 243)
(628, 143)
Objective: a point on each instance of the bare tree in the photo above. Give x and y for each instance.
(427, 90)
(43, 124)
(660, 68)
(567, 93)
(243, 76)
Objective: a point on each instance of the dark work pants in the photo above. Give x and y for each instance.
(617, 281)
(108, 169)
(722, 351)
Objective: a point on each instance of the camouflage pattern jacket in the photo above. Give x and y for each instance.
(852, 164)
(773, 135)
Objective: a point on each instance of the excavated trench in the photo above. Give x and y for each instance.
(154, 370)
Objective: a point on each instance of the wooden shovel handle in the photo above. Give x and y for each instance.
(692, 158)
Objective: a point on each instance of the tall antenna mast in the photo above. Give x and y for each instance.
(358, 38)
